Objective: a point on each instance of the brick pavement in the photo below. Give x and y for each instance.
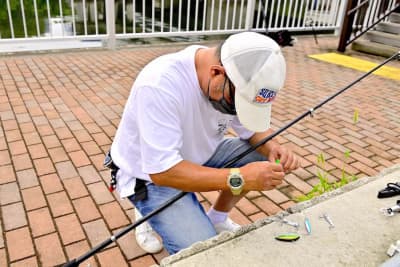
(59, 113)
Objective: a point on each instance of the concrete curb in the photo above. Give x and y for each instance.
(226, 236)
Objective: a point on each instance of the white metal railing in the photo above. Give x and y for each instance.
(370, 12)
(301, 15)
(226, 16)
(110, 20)
(363, 16)
(52, 19)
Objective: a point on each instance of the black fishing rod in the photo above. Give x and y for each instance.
(113, 238)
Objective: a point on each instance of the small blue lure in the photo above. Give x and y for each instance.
(308, 225)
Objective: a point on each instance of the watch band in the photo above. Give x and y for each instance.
(235, 181)
(234, 170)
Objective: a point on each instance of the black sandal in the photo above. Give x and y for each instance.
(392, 189)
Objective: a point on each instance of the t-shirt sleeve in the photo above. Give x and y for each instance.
(159, 123)
(242, 132)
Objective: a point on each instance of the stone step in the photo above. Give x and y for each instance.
(383, 38)
(394, 17)
(389, 27)
(373, 48)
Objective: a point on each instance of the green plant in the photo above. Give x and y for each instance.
(355, 116)
(324, 186)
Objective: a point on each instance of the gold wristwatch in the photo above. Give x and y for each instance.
(235, 181)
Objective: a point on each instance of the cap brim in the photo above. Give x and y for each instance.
(256, 118)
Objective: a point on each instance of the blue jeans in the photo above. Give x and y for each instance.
(185, 221)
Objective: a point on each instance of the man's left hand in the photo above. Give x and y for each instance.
(286, 157)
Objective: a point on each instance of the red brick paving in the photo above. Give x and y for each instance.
(33, 198)
(51, 183)
(70, 229)
(13, 216)
(19, 244)
(27, 178)
(112, 257)
(50, 250)
(41, 222)
(31, 262)
(59, 114)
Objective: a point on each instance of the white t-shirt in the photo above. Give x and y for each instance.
(167, 119)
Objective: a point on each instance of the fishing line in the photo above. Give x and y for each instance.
(113, 238)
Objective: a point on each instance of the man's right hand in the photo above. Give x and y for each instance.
(262, 175)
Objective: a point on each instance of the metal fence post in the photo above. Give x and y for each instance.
(110, 21)
(250, 14)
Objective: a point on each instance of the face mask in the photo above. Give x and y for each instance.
(222, 105)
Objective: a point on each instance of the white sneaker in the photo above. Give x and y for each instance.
(227, 225)
(146, 237)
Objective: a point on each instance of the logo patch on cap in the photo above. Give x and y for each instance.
(264, 96)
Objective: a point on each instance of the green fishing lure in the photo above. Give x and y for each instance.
(288, 237)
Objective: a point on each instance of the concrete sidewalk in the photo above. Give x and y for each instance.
(360, 237)
(59, 113)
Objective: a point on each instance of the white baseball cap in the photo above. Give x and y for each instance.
(256, 67)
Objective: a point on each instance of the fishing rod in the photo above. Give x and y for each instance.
(113, 238)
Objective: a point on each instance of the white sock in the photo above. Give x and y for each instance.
(217, 216)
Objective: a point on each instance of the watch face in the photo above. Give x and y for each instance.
(235, 181)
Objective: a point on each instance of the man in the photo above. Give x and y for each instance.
(171, 135)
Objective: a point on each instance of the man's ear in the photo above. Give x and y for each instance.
(216, 70)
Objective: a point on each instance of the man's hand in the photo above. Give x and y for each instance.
(262, 175)
(273, 151)
(287, 158)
